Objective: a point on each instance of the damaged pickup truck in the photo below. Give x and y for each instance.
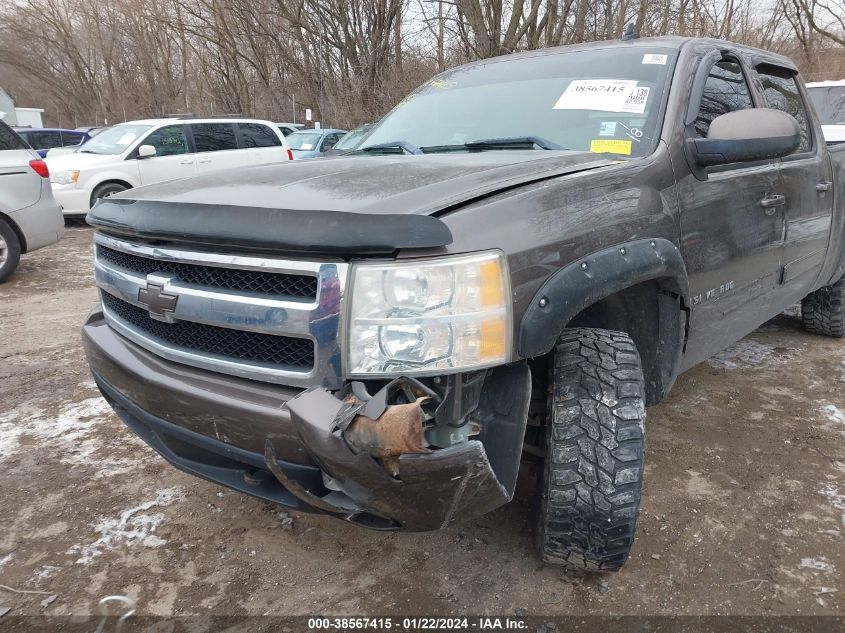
(521, 256)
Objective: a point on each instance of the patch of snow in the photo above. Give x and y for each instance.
(45, 572)
(833, 413)
(836, 498)
(816, 564)
(132, 527)
(69, 434)
(747, 354)
(6, 559)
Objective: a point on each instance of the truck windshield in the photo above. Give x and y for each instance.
(829, 102)
(603, 100)
(115, 140)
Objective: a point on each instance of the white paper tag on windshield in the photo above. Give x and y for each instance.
(636, 101)
(604, 95)
(653, 58)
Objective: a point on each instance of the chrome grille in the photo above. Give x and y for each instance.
(280, 284)
(253, 347)
(242, 315)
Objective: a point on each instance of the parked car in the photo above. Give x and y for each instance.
(142, 152)
(828, 97)
(349, 141)
(313, 143)
(58, 151)
(30, 218)
(44, 139)
(378, 337)
(289, 128)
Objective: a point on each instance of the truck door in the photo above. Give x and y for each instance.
(732, 226)
(807, 183)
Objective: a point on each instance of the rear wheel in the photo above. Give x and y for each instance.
(823, 311)
(105, 190)
(589, 497)
(10, 251)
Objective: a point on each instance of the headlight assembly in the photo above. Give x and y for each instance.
(429, 317)
(67, 177)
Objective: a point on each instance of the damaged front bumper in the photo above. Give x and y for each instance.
(373, 460)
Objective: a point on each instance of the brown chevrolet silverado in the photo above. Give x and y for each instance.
(521, 256)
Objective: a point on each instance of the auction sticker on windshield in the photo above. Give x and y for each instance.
(604, 95)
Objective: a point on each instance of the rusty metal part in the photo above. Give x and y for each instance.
(398, 431)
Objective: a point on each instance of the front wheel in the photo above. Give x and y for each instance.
(589, 497)
(105, 190)
(823, 311)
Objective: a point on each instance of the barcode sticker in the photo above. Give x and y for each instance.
(636, 101)
(653, 58)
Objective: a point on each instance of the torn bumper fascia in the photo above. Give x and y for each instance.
(422, 490)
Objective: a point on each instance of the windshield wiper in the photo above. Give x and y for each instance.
(515, 142)
(527, 142)
(403, 147)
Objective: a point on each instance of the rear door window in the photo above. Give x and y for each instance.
(214, 137)
(168, 141)
(8, 138)
(257, 135)
(781, 93)
(724, 91)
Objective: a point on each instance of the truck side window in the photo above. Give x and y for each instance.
(781, 92)
(725, 91)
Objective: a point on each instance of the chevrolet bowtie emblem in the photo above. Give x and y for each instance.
(158, 302)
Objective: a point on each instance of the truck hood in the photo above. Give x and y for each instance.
(371, 184)
(346, 205)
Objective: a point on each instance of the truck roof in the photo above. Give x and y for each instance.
(758, 55)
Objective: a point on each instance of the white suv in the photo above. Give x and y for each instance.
(143, 152)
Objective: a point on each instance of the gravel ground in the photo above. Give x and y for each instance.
(743, 511)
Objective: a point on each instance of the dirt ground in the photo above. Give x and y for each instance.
(744, 507)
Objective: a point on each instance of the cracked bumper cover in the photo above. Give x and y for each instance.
(174, 409)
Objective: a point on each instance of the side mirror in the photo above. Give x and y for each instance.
(746, 136)
(146, 151)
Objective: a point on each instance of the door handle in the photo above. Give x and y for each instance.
(770, 203)
(824, 187)
(204, 160)
(186, 162)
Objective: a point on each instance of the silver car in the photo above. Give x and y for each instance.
(30, 217)
(313, 143)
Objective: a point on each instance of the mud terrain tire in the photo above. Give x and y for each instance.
(823, 311)
(589, 496)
